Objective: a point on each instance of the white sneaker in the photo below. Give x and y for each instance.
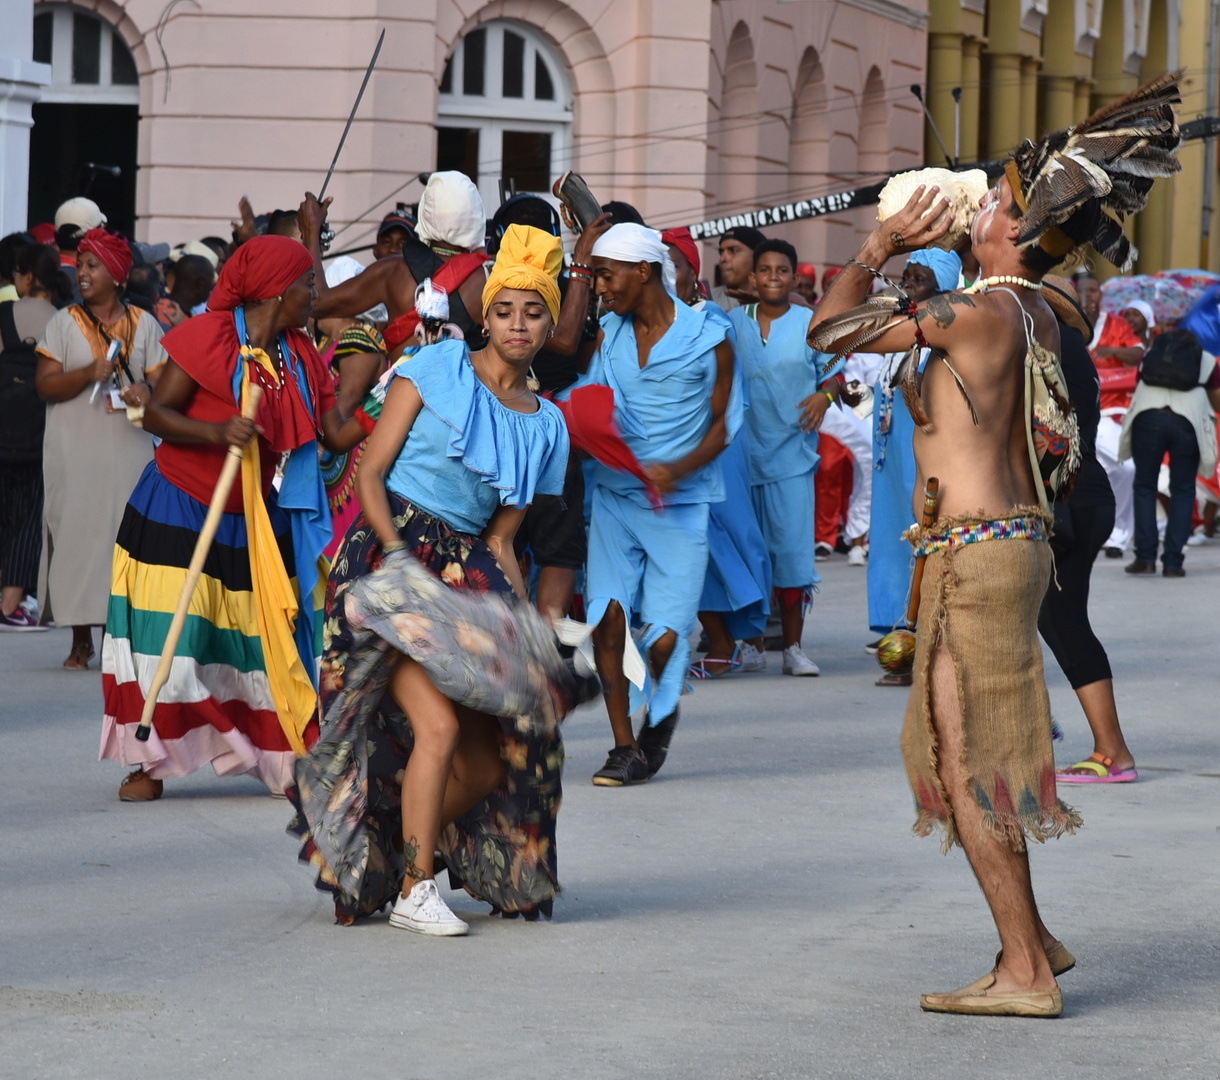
(1199, 537)
(856, 556)
(752, 659)
(797, 663)
(423, 911)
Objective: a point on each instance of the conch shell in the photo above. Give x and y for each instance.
(962, 189)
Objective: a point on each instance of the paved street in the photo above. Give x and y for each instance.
(760, 910)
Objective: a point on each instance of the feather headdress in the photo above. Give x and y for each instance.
(1113, 157)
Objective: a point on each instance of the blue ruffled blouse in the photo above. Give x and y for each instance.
(467, 453)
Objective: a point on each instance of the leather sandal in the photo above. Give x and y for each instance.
(975, 1000)
(79, 657)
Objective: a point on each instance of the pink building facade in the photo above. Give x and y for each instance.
(688, 110)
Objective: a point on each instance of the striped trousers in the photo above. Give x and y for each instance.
(20, 524)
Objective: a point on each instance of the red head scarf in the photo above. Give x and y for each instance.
(113, 252)
(807, 270)
(685, 243)
(260, 269)
(829, 274)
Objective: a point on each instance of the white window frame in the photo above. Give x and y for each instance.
(492, 113)
(62, 89)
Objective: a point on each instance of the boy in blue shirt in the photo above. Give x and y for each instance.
(790, 388)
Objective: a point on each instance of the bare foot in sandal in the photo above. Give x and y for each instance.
(79, 657)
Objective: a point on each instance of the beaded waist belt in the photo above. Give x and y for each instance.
(1017, 528)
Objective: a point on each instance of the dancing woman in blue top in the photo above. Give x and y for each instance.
(442, 711)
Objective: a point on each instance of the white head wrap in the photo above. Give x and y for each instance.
(631, 243)
(451, 212)
(1145, 309)
(344, 268)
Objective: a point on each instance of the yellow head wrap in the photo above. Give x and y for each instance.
(529, 258)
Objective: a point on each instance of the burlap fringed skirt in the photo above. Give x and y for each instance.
(980, 601)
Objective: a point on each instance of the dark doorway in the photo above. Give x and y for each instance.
(66, 140)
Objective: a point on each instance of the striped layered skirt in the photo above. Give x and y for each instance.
(216, 706)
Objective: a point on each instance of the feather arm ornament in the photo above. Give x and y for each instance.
(1112, 156)
(855, 328)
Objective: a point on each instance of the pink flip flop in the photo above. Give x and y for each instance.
(1103, 769)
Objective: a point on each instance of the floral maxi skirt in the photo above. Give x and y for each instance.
(488, 652)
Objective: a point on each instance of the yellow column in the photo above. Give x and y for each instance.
(971, 75)
(1004, 112)
(1083, 97)
(1029, 98)
(944, 73)
(1153, 226)
(1059, 68)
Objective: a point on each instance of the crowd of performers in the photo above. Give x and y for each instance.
(382, 632)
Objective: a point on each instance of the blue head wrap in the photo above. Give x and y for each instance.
(946, 265)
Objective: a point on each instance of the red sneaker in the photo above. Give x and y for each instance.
(19, 621)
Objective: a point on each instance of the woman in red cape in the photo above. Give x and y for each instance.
(218, 705)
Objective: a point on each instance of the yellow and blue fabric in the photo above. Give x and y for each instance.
(302, 496)
(467, 453)
(284, 605)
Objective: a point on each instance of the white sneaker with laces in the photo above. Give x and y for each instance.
(856, 556)
(752, 659)
(423, 911)
(797, 663)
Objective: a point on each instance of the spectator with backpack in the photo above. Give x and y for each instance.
(1172, 411)
(22, 421)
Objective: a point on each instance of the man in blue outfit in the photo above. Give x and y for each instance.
(672, 371)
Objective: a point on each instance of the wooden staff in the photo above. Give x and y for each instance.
(931, 500)
(216, 509)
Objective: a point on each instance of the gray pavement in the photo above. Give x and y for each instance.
(760, 910)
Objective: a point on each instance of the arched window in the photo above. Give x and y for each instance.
(85, 125)
(504, 114)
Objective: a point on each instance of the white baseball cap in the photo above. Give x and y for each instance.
(84, 213)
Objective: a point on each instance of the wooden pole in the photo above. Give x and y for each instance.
(931, 500)
(228, 474)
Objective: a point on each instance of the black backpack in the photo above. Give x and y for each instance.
(1173, 361)
(23, 414)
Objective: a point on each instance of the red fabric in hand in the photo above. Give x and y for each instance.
(589, 412)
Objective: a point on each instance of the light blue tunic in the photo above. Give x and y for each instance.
(665, 408)
(467, 453)
(738, 582)
(780, 374)
(889, 556)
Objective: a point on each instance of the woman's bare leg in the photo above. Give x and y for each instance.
(1097, 700)
(720, 643)
(478, 766)
(434, 723)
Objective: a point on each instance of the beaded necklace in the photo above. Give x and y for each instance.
(1003, 279)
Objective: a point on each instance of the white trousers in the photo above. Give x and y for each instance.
(857, 436)
(1122, 480)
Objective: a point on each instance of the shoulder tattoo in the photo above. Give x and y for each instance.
(941, 307)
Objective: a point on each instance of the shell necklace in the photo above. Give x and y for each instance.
(1003, 279)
